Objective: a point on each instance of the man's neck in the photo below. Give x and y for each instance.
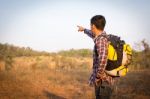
(98, 32)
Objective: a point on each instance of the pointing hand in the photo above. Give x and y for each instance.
(80, 28)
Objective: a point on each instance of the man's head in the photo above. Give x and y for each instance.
(97, 23)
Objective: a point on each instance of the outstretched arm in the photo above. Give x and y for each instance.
(86, 31)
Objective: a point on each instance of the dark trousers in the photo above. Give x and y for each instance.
(103, 91)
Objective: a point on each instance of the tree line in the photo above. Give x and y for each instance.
(141, 59)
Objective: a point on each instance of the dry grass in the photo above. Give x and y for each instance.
(34, 78)
(134, 86)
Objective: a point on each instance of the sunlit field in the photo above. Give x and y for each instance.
(40, 78)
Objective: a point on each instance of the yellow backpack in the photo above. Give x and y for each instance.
(120, 70)
(119, 56)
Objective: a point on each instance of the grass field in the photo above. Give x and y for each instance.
(34, 81)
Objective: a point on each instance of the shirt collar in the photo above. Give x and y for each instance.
(103, 33)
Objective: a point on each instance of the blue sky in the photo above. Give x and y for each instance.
(50, 25)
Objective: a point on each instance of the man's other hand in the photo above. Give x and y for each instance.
(80, 28)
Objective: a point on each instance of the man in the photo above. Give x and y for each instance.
(102, 82)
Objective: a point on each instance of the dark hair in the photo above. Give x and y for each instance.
(99, 21)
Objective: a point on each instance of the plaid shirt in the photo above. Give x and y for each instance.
(99, 58)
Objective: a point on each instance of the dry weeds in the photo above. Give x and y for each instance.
(33, 78)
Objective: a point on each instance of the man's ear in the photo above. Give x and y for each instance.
(93, 26)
